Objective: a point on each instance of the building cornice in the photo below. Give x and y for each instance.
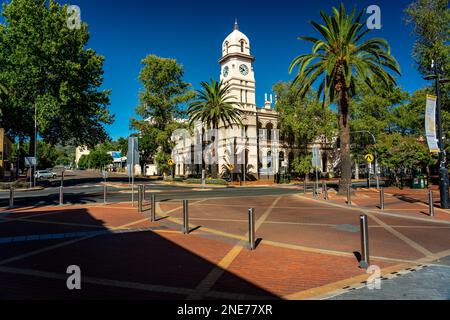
(240, 55)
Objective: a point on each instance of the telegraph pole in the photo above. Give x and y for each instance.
(443, 171)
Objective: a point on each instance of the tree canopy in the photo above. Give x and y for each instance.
(47, 65)
(161, 103)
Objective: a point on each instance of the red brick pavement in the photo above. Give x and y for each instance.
(305, 244)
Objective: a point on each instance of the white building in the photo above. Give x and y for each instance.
(81, 151)
(263, 156)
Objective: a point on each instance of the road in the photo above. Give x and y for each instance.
(82, 188)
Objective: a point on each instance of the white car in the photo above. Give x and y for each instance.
(45, 174)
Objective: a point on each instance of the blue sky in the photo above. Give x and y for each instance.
(192, 32)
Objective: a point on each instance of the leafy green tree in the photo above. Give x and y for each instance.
(431, 25)
(122, 145)
(403, 156)
(99, 159)
(47, 155)
(214, 105)
(303, 165)
(303, 121)
(44, 64)
(431, 22)
(373, 109)
(409, 118)
(338, 61)
(161, 102)
(84, 162)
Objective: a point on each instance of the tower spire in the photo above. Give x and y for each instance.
(236, 26)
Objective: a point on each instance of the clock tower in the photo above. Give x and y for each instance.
(237, 69)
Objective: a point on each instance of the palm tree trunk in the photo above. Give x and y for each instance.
(344, 129)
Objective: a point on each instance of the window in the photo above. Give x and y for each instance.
(242, 45)
(246, 96)
(269, 159)
(269, 128)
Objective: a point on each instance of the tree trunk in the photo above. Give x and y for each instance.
(344, 130)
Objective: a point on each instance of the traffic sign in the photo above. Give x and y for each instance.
(369, 158)
(316, 161)
(170, 162)
(30, 162)
(232, 167)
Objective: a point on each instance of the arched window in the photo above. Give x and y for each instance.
(269, 128)
(226, 47)
(242, 45)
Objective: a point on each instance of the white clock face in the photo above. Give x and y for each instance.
(243, 69)
(226, 71)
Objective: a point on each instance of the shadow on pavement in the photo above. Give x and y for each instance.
(120, 264)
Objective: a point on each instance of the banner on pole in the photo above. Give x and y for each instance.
(430, 124)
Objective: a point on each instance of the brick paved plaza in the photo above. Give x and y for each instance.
(308, 247)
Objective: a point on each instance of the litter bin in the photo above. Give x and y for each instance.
(420, 182)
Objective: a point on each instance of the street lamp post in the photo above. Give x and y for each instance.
(443, 171)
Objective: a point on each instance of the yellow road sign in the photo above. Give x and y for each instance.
(170, 162)
(232, 167)
(369, 158)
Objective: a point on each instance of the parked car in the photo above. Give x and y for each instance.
(45, 174)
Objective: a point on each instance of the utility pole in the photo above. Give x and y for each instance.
(443, 171)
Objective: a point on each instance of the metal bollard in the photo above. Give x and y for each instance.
(153, 212)
(61, 195)
(365, 257)
(251, 228)
(144, 191)
(349, 196)
(185, 216)
(11, 198)
(105, 191)
(382, 199)
(430, 203)
(140, 198)
(325, 192)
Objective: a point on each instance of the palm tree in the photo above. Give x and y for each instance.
(215, 105)
(337, 62)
